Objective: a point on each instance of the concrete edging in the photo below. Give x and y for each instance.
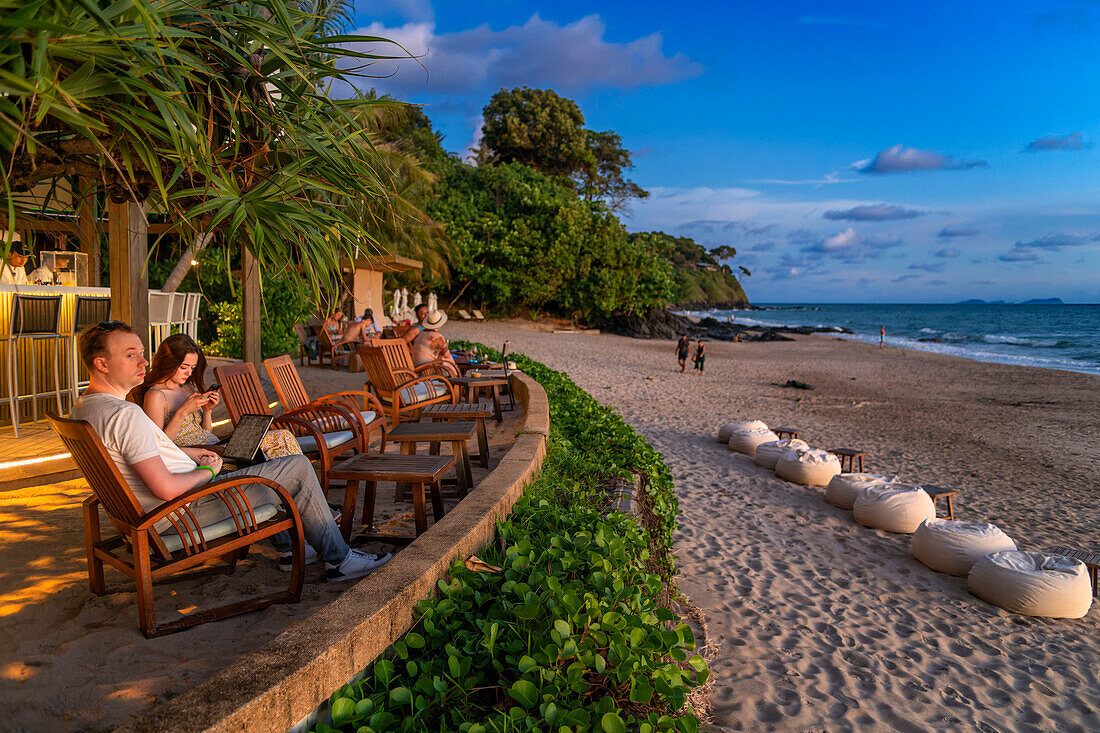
(279, 684)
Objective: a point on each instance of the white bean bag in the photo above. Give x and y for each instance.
(845, 487)
(894, 507)
(814, 467)
(1032, 583)
(745, 441)
(768, 453)
(726, 431)
(952, 547)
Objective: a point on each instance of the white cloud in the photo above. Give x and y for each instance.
(900, 159)
(570, 58)
(1072, 141)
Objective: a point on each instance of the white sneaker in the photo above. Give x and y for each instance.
(286, 560)
(355, 565)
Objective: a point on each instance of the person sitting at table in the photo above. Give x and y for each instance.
(334, 324)
(157, 470)
(430, 345)
(175, 399)
(421, 312)
(361, 330)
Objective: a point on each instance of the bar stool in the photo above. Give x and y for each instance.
(177, 316)
(160, 318)
(89, 310)
(34, 318)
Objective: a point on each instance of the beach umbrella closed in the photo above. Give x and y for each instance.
(952, 547)
(894, 507)
(1032, 583)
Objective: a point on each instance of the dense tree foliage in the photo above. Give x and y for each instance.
(525, 242)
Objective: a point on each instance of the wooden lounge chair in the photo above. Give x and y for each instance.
(150, 556)
(360, 403)
(478, 315)
(323, 431)
(305, 356)
(399, 386)
(465, 315)
(334, 351)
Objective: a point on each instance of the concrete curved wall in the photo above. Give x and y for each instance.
(278, 685)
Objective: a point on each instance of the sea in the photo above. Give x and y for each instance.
(1051, 336)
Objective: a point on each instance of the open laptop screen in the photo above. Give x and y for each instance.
(246, 438)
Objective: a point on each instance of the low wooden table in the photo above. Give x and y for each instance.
(464, 411)
(848, 456)
(420, 471)
(1091, 560)
(790, 432)
(941, 492)
(474, 385)
(409, 434)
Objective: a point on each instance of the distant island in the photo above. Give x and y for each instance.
(1033, 301)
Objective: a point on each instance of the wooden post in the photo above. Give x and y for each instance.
(89, 228)
(128, 246)
(250, 310)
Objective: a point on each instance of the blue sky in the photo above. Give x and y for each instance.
(851, 152)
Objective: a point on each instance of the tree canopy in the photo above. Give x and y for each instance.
(209, 111)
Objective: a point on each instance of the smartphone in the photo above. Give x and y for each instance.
(214, 387)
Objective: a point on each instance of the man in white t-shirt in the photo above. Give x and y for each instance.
(158, 470)
(14, 271)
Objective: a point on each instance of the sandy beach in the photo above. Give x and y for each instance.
(826, 625)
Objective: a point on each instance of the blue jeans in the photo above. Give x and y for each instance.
(296, 475)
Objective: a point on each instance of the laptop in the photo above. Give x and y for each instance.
(243, 447)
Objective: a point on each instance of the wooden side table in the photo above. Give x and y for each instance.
(1091, 560)
(423, 472)
(848, 458)
(464, 411)
(789, 432)
(409, 434)
(941, 492)
(474, 385)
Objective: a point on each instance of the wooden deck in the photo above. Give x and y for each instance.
(36, 457)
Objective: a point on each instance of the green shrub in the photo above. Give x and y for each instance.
(570, 635)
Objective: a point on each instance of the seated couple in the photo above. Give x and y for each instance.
(158, 470)
(358, 331)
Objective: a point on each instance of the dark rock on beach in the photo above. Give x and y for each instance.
(658, 323)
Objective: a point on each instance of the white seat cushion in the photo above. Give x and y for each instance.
(308, 443)
(368, 416)
(726, 431)
(809, 468)
(424, 391)
(894, 507)
(767, 454)
(1032, 583)
(745, 441)
(227, 526)
(952, 547)
(845, 487)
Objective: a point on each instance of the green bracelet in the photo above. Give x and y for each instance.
(213, 473)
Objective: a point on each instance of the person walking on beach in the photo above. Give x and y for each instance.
(700, 357)
(882, 337)
(682, 348)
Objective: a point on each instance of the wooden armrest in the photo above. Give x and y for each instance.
(214, 487)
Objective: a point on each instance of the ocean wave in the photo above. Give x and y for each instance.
(929, 330)
(976, 353)
(1021, 341)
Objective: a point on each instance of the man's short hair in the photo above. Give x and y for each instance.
(93, 340)
(422, 305)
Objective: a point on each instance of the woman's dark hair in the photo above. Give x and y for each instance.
(368, 313)
(167, 360)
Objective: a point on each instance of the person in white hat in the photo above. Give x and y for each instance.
(13, 271)
(430, 345)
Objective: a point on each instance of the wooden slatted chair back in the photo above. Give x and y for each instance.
(241, 390)
(288, 384)
(378, 370)
(103, 476)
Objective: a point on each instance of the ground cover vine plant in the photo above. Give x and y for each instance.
(569, 635)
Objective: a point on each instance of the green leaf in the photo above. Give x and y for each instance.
(414, 640)
(524, 692)
(612, 723)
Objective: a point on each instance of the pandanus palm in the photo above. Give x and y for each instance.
(213, 112)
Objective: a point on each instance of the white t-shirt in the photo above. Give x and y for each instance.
(12, 275)
(130, 437)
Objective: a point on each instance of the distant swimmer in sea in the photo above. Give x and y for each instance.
(700, 357)
(882, 337)
(682, 348)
